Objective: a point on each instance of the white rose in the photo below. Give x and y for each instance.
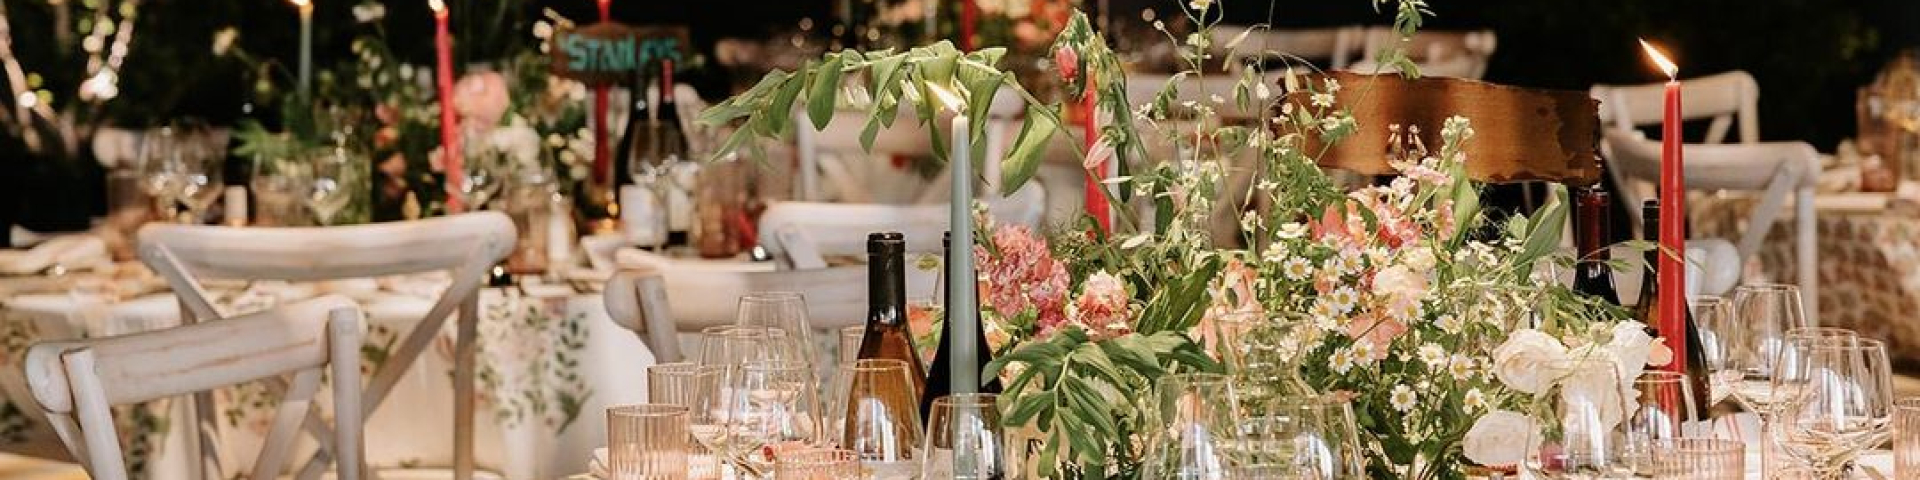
(1400, 283)
(1592, 391)
(1500, 437)
(1420, 259)
(1521, 362)
(1631, 347)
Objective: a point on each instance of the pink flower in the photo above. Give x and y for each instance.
(1023, 276)
(1102, 306)
(1068, 61)
(1371, 329)
(481, 98)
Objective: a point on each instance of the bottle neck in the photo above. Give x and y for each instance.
(1593, 233)
(886, 288)
(1650, 226)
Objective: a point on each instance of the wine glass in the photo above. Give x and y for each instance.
(882, 419)
(711, 418)
(1841, 403)
(1661, 411)
(202, 168)
(784, 311)
(160, 169)
(778, 411)
(1768, 312)
(1590, 409)
(1906, 440)
(1197, 425)
(1718, 328)
(329, 186)
(964, 439)
(1302, 437)
(731, 345)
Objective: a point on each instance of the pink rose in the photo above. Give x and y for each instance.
(481, 98)
(1102, 306)
(1371, 329)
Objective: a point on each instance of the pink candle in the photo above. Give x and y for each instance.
(1673, 219)
(450, 157)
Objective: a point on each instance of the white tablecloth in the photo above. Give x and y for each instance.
(549, 365)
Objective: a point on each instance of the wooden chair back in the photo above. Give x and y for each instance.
(466, 245)
(1725, 98)
(658, 302)
(76, 382)
(802, 234)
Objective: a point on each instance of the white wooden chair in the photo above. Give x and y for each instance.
(802, 234)
(466, 245)
(658, 301)
(76, 382)
(1459, 54)
(1776, 171)
(836, 153)
(1337, 46)
(1727, 98)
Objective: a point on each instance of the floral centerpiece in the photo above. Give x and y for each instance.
(1434, 320)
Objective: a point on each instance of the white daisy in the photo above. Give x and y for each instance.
(1323, 100)
(1297, 268)
(1344, 298)
(1460, 367)
(1293, 230)
(1432, 355)
(1475, 400)
(1403, 398)
(1342, 360)
(1448, 323)
(1333, 85)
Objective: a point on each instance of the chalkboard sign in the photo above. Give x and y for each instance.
(608, 53)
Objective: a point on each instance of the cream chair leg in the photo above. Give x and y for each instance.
(346, 337)
(96, 421)
(1805, 252)
(463, 379)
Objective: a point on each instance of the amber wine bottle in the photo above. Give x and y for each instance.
(887, 335)
(1648, 311)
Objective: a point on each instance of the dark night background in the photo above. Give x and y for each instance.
(1809, 56)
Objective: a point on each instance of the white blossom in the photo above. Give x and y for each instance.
(1403, 398)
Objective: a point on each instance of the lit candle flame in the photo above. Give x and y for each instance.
(301, 3)
(947, 98)
(1660, 59)
(438, 6)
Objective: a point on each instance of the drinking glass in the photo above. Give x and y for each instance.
(1714, 316)
(882, 419)
(1590, 409)
(850, 338)
(1768, 312)
(486, 171)
(1198, 422)
(329, 187)
(201, 174)
(729, 345)
(1840, 402)
(1906, 438)
(1699, 459)
(679, 383)
(161, 169)
(817, 464)
(1302, 437)
(778, 411)
(647, 442)
(964, 439)
(785, 311)
(1661, 411)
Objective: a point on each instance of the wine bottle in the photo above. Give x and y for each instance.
(639, 120)
(672, 156)
(887, 335)
(939, 383)
(1648, 311)
(1592, 275)
(642, 203)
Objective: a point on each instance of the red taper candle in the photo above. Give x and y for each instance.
(450, 156)
(1673, 218)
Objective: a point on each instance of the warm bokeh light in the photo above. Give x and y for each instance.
(438, 6)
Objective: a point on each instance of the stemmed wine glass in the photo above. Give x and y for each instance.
(201, 170)
(1198, 424)
(330, 185)
(1302, 437)
(776, 409)
(1753, 343)
(160, 169)
(881, 412)
(1840, 402)
(1718, 328)
(784, 311)
(965, 440)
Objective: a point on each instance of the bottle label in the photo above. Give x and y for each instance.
(641, 215)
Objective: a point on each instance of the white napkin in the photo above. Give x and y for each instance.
(597, 466)
(75, 252)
